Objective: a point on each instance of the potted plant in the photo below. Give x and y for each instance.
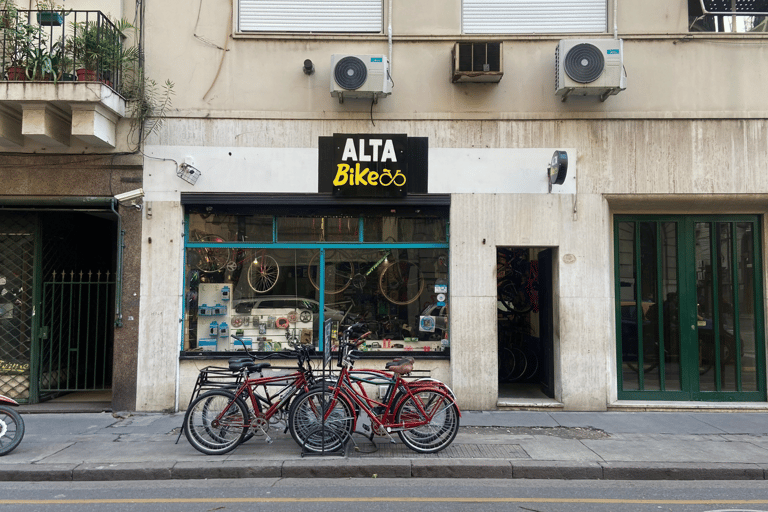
(97, 48)
(23, 42)
(50, 13)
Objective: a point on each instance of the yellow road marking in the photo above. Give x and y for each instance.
(380, 500)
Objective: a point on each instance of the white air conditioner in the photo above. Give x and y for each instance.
(360, 76)
(589, 67)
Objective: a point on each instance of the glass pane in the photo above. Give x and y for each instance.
(705, 307)
(212, 227)
(650, 306)
(724, 308)
(263, 295)
(405, 229)
(318, 229)
(393, 292)
(671, 307)
(745, 313)
(629, 309)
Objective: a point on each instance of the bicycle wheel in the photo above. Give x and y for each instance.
(210, 259)
(506, 364)
(11, 430)
(338, 274)
(514, 298)
(401, 282)
(441, 416)
(305, 421)
(216, 422)
(263, 273)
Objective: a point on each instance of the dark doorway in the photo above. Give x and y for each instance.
(524, 326)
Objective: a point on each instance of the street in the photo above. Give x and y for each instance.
(385, 495)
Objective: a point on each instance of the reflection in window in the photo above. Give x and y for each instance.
(271, 296)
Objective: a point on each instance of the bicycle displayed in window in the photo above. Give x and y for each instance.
(400, 281)
(423, 412)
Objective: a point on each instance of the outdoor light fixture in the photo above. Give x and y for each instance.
(188, 173)
(308, 68)
(558, 168)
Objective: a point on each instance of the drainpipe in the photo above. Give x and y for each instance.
(615, 19)
(389, 39)
(119, 272)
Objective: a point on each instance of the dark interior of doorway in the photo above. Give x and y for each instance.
(524, 322)
(82, 245)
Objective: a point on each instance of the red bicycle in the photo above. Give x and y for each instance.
(423, 412)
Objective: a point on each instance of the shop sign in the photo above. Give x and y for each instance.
(366, 165)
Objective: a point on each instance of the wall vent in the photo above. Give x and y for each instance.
(477, 62)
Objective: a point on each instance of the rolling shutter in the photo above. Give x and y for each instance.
(534, 17)
(310, 16)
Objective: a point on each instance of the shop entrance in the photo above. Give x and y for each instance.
(57, 291)
(524, 319)
(689, 308)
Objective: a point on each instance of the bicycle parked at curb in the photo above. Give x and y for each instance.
(11, 426)
(423, 412)
(217, 421)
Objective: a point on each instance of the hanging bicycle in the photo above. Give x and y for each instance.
(400, 281)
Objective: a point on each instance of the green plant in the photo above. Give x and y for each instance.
(98, 45)
(23, 41)
(148, 103)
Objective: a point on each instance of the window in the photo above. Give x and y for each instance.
(261, 277)
(310, 16)
(540, 17)
(728, 15)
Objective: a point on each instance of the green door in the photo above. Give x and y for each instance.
(689, 308)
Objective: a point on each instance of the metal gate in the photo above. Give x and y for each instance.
(17, 248)
(76, 331)
(56, 326)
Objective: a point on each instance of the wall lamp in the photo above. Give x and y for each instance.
(308, 68)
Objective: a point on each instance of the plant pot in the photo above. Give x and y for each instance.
(86, 75)
(17, 73)
(50, 19)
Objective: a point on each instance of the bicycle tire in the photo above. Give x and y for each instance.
(339, 273)
(211, 259)
(401, 282)
(306, 425)
(514, 298)
(11, 430)
(521, 364)
(214, 437)
(532, 363)
(263, 273)
(443, 423)
(506, 364)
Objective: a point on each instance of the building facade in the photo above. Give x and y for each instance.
(554, 206)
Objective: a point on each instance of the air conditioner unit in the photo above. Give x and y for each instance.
(477, 62)
(360, 76)
(590, 67)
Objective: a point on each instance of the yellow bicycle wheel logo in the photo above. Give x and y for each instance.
(392, 179)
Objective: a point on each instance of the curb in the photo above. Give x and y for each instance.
(397, 468)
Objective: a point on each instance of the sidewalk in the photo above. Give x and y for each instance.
(503, 444)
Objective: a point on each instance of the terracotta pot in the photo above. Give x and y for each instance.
(17, 73)
(86, 75)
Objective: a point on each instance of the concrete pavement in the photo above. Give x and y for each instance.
(499, 444)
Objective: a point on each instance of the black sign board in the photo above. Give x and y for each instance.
(378, 165)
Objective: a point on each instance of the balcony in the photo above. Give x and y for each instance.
(60, 72)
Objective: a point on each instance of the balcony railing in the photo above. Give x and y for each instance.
(63, 46)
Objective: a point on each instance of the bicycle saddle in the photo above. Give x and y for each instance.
(401, 366)
(247, 365)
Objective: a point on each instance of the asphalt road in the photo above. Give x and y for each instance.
(422, 495)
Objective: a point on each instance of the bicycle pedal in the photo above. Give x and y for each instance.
(268, 440)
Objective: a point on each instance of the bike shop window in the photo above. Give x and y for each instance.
(259, 277)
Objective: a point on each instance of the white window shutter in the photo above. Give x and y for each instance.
(534, 16)
(310, 16)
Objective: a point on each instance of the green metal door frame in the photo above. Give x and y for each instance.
(690, 384)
